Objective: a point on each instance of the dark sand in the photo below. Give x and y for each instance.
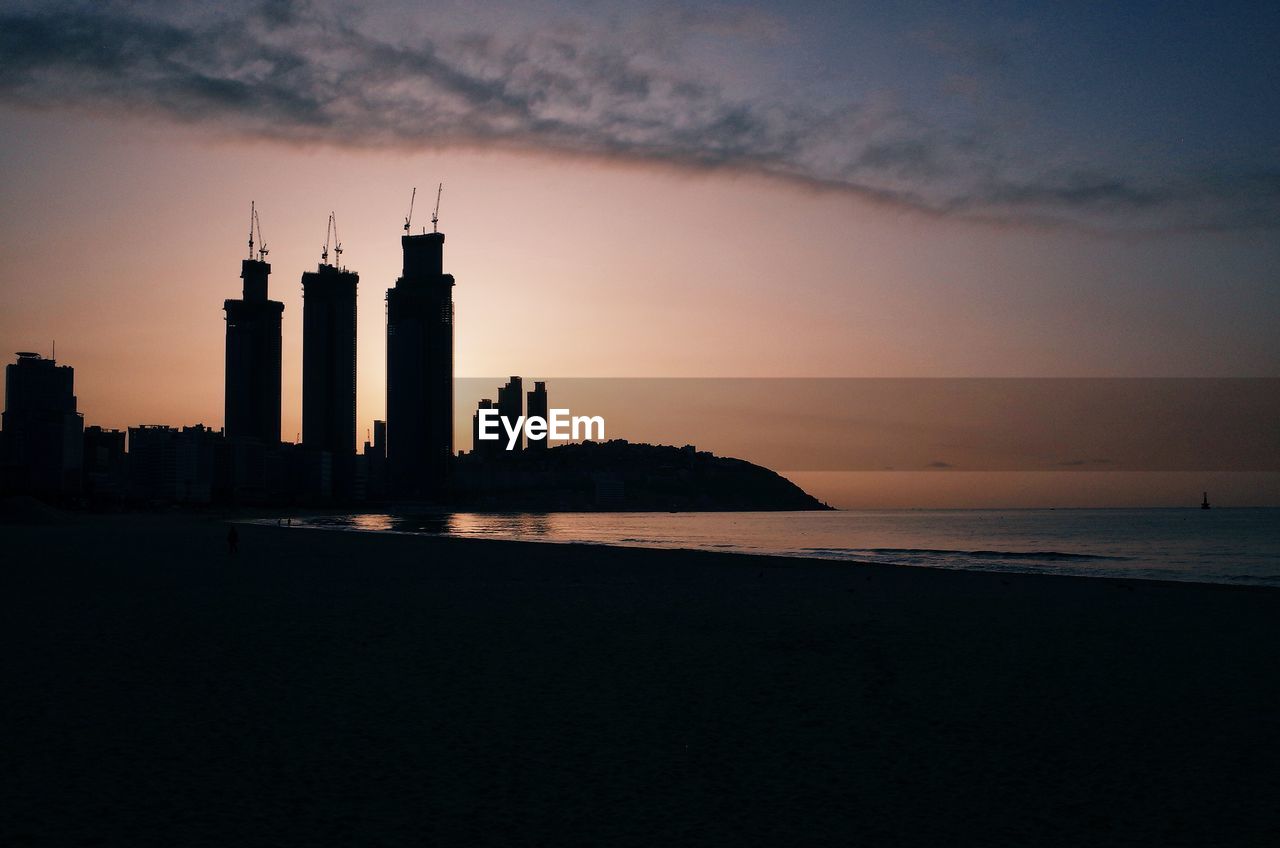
(352, 689)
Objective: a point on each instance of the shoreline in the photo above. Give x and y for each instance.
(399, 689)
(833, 561)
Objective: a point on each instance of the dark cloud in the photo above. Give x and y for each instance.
(289, 71)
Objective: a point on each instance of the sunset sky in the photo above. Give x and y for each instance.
(648, 189)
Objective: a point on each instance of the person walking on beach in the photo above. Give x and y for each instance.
(233, 542)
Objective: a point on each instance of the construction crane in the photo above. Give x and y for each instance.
(408, 219)
(262, 243)
(332, 226)
(435, 216)
(255, 224)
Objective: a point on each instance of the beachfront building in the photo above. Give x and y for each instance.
(486, 448)
(329, 369)
(374, 459)
(172, 465)
(252, 408)
(106, 469)
(42, 440)
(538, 407)
(511, 407)
(420, 370)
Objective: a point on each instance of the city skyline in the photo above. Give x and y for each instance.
(778, 422)
(985, 200)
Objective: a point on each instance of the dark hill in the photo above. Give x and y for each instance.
(620, 475)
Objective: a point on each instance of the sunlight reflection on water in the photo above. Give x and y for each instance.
(1226, 546)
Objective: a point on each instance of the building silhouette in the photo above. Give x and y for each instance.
(375, 462)
(511, 407)
(420, 370)
(253, 358)
(106, 469)
(174, 465)
(329, 367)
(486, 448)
(42, 441)
(538, 406)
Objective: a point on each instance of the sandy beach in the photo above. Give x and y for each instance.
(340, 688)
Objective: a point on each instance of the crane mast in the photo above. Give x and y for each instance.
(255, 224)
(331, 227)
(408, 219)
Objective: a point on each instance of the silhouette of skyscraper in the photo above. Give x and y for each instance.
(375, 462)
(42, 443)
(420, 370)
(253, 359)
(486, 448)
(329, 367)
(538, 407)
(511, 407)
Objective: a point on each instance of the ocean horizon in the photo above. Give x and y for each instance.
(1237, 546)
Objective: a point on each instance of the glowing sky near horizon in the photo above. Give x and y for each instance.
(742, 189)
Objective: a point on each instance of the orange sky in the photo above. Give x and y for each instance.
(574, 268)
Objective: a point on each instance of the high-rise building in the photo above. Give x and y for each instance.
(253, 359)
(487, 448)
(329, 367)
(105, 463)
(538, 406)
(511, 407)
(171, 464)
(42, 443)
(420, 370)
(375, 462)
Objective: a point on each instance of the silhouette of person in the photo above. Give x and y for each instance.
(233, 542)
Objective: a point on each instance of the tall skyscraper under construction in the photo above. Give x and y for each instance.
(329, 364)
(420, 369)
(253, 354)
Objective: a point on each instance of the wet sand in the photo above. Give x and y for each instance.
(340, 688)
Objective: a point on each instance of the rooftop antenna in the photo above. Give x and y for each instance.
(409, 218)
(435, 216)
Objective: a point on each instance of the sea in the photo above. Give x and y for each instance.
(1221, 545)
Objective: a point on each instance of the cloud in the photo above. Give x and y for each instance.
(291, 72)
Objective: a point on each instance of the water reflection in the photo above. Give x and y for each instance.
(1241, 545)
(521, 525)
(514, 524)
